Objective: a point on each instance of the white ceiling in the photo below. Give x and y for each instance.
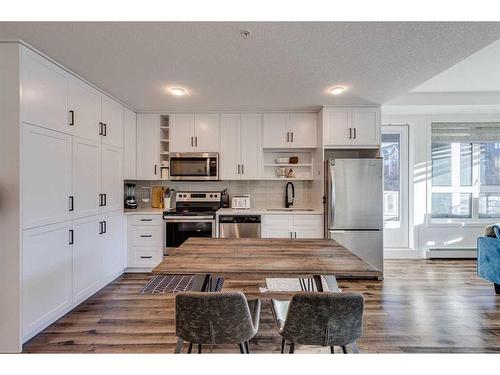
(283, 65)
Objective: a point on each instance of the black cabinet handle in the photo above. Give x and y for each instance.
(104, 133)
(100, 128)
(146, 257)
(146, 235)
(71, 237)
(292, 138)
(104, 226)
(71, 203)
(105, 199)
(288, 136)
(146, 219)
(195, 141)
(100, 228)
(350, 133)
(156, 169)
(71, 118)
(354, 133)
(100, 200)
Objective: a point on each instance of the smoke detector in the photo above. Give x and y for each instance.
(245, 34)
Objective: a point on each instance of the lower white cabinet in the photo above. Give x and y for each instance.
(111, 244)
(292, 226)
(145, 239)
(46, 272)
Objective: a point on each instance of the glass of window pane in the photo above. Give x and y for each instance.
(490, 163)
(451, 164)
(489, 205)
(391, 148)
(451, 205)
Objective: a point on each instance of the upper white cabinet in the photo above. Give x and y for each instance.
(351, 127)
(44, 92)
(84, 107)
(290, 130)
(46, 270)
(46, 176)
(147, 147)
(240, 146)
(112, 120)
(194, 133)
(129, 145)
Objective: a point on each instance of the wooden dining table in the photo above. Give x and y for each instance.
(300, 258)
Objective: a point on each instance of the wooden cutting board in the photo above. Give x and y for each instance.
(157, 193)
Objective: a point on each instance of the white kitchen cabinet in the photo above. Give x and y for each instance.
(240, 146)
(46, 176)
(194, 133)
(112, 249)
(87, 258)
(182, 133)
(145, 241)
(304, 130)
(86, 177)
(112, 119)
(276, 130)
(129, 145)
(84, 107)
(292, 226)
(351, 127)
(206, 133)
(290, 130)
(44, 92)
(46, 276)
(148, 161)
(111, 178)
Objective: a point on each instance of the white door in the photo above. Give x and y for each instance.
(46, 275)
(276, 130)
(366, 127)
(182, 133)
(148, 156)
(46, 176)
(112, 250)
(87, 258)
(304, 130)
(308, 232)
(44, 93)
(86, 176)
(84, 106)
(229, 162)
(129, 145)
(112, 118)
(111, 178)
(251, 146)
(395, 153)
(336, 127)
(276, 233)
(206, 132)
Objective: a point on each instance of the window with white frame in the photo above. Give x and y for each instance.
(465, 170)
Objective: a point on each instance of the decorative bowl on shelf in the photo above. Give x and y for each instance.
(294, 159)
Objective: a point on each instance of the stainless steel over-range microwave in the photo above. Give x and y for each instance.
(194, 166)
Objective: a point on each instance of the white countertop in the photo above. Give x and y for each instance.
(265, 211)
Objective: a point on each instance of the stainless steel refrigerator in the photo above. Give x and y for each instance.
(354, 211)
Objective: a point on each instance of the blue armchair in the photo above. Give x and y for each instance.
(488, 257)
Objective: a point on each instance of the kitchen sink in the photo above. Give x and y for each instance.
(290, 209)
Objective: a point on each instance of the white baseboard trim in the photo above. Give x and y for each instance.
(403, 254)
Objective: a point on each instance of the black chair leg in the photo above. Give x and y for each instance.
(247, 347)
(497, 288)
(344, 349)
(283, 345)
(190, 347)
(199, 348)
(332, 349)
(292, 348)
(242, 348)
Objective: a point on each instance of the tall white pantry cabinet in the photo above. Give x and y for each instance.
(71, 191)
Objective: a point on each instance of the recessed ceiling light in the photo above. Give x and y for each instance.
(337, 90)
(177, 91)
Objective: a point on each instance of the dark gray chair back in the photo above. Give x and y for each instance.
(213, 318)
(326, 319)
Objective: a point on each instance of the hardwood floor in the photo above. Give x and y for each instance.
(420, 306)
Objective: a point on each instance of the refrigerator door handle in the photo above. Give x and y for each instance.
(330, 194)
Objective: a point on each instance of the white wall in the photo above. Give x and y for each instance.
(10, 234)
(425, 234)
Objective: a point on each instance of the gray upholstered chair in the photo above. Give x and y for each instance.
(211, 318)
(325, 319)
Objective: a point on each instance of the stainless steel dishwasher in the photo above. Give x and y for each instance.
(239, 226)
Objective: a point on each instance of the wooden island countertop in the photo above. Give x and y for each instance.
(268, 257)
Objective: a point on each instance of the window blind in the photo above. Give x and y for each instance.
(465, 132)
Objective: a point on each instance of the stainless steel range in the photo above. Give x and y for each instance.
(193, 216)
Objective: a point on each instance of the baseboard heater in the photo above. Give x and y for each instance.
(456, 253)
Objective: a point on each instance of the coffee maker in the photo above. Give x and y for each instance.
(130, 201)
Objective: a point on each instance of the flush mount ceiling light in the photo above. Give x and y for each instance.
(337, 90)
(177, 91)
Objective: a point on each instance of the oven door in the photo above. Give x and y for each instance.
(178, 231)
(192, 166)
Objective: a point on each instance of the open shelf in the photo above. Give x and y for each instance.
(164, 146)
(303, 170)
(288, 165)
